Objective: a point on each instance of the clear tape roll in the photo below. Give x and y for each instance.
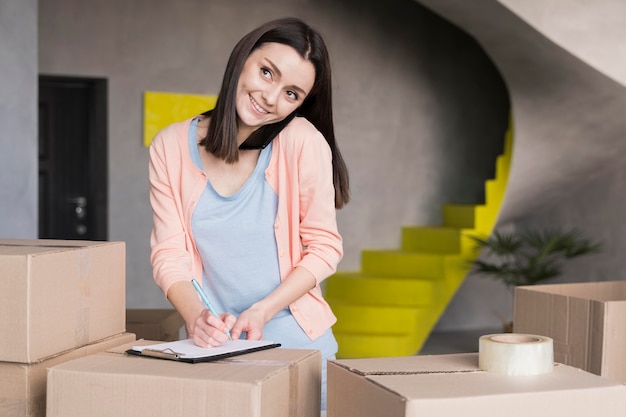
(516, 354)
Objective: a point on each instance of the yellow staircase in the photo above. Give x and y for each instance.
(391, 305)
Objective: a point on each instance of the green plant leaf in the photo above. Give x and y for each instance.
(529, 257)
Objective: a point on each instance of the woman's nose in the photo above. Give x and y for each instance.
(270, 94)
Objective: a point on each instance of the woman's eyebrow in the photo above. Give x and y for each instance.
(277, 71)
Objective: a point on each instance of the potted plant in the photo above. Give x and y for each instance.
(528, 257)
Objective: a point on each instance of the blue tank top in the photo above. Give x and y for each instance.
(235, 238)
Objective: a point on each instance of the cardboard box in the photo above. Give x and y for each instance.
(155, 324)
(58, 295)
(587, 322)
(23, 386)
(453, 385)
(273, 382)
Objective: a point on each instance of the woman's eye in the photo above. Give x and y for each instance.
(266, 73)
(292, 95)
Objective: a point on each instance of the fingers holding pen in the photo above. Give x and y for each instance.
(229, 320)
(217, 332)
(211, 330)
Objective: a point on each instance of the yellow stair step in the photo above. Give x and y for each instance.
(494, 192)
(503, 166)
(352, 318)
(402, 264)
(356, 288)
(431, 239)
(462, 216)
(477, 217)
(437, 239)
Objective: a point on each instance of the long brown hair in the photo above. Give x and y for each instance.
(221, 138)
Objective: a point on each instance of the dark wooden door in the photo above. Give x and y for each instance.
(72, 158)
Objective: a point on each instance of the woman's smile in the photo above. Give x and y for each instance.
(257, 107)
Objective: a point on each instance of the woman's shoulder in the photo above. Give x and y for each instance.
(301, 125)
(300, 131)
(172, 135)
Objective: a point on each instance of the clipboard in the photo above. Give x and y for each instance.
(187, 351)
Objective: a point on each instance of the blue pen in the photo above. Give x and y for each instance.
(206, 302)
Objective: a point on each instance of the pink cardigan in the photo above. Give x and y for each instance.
(300, 172)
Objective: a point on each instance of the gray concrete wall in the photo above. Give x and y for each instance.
(18, 119)
(420, 110)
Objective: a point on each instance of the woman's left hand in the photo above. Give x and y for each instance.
(250, 321)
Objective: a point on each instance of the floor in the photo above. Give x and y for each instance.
(465, 341)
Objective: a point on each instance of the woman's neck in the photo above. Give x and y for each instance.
(243, 134)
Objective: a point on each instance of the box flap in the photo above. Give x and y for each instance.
(411, 365)
(28, 247)
(23, 386)
(614, 355)
(212, 373)
(475, 384)
(586, 321)
(422, 376)
(565, 391)
(598, 291)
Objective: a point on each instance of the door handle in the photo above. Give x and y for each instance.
(80, 208)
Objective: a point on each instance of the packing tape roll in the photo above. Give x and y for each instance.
(516, 354)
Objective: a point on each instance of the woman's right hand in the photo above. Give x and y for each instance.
(209, 330)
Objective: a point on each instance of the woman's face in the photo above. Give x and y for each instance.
(274, 82)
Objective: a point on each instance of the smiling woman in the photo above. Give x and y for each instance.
(244, 198)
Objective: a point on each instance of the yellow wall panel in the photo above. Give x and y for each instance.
(163, 109)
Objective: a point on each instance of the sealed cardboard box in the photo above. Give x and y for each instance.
(587, 322)
(58, 295)
(23, 386)
(453, 385)
(154, 324)
(273, 382)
